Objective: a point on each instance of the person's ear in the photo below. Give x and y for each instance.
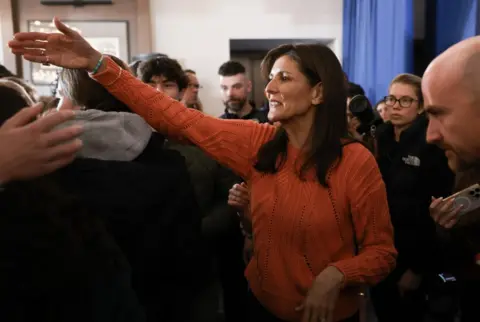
(317, 94)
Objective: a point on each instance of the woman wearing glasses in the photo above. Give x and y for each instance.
(413, 172)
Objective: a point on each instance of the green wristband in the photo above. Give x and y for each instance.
(97, 67)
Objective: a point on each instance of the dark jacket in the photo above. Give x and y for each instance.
(462, 242)
(146, 198)
(57, 261)
(413, 172)
(150, 208)
(256, 115)
(211, 183)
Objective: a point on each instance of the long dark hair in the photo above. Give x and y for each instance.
(319, 64)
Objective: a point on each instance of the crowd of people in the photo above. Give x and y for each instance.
(121, 200)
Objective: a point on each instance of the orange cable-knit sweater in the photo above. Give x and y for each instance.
(299, 227)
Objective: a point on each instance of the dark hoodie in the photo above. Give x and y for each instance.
(413, 172)
(145, 195)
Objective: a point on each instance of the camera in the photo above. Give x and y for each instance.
(369, 119)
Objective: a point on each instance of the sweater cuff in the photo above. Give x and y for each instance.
(110, 74)
(351, 274)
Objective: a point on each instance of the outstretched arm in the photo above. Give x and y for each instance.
(233, 143)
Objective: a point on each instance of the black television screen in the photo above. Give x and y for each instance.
(75, 2)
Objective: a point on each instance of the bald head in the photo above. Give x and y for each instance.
(451, 89)
(458, 64)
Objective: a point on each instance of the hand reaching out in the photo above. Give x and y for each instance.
(30, 149)
(66, 49)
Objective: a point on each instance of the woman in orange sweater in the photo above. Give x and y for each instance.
(321, 224)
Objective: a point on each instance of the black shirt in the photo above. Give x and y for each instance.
(256, 115)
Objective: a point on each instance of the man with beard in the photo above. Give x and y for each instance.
(450, 89)
(235, 88)
(452, 95)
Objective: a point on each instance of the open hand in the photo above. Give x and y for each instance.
(30, 149)
(319, 305)
(66, 49)
(444, 212)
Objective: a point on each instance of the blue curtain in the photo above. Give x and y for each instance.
(454, 21)
(377, 43)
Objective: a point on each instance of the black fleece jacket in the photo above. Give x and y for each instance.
(413, 171)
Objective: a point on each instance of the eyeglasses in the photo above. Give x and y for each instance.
(404, 101)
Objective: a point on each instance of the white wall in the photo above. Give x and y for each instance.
(6, 33)
(197, 33)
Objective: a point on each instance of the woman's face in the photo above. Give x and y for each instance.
(288, 92)
(403, 104)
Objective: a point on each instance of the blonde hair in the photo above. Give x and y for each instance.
(412, 80)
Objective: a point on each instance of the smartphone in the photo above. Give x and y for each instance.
(468, 198)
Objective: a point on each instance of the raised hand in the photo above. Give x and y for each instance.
(65, 49)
